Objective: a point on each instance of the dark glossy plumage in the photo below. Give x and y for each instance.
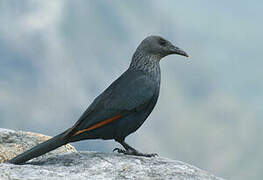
(123, 107)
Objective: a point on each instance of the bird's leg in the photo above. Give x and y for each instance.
(131, 151)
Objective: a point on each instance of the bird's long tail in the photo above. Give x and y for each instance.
(40, 149)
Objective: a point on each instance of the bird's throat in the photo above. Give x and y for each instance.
(145, 62)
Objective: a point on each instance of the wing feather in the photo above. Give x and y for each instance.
(130, 92)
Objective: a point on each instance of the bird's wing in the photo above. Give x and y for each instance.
(132, 91)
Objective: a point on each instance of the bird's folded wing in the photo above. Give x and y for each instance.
(129, 93)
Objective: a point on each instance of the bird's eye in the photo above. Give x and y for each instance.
(162, 42)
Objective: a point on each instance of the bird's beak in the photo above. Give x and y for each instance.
(176, 50)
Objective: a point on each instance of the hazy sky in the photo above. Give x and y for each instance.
(57, 56)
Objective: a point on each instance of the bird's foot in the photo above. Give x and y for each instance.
(134, 152)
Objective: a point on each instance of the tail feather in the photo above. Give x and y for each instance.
(40, 149)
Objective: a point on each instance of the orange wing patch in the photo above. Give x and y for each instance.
(98, 125)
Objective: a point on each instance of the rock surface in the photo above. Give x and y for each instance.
(93, 165)
(64, 163)
(13, 143)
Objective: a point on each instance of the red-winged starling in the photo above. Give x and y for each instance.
(122, 108)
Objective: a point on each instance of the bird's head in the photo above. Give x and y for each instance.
(151, 50)
(158, 46)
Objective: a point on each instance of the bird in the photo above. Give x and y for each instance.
(122, 107)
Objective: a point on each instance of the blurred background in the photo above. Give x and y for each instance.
(57, 56)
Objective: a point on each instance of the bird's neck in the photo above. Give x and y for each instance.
(145, 62)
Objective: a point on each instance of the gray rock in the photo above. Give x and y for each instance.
(13, 143)
(93, 165)
(66, 163)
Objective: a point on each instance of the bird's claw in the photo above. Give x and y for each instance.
(119, 150)
(152, 155)
(134, 153)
